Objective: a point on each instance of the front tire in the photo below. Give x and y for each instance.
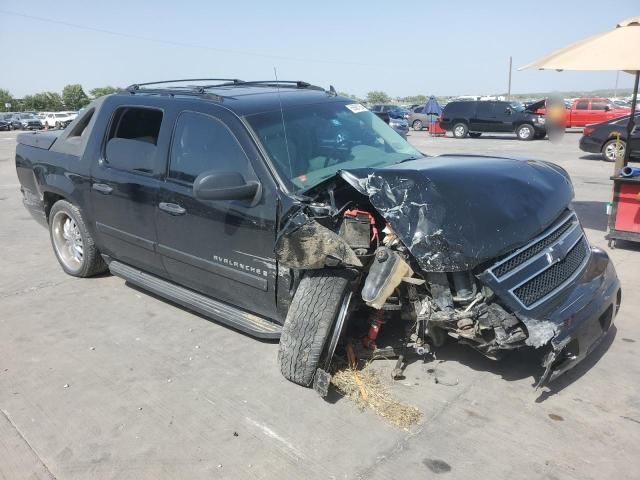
(417, 125)
(460, 130)
(317, 305)
(525, 132)
(72, 243)
(612, 149)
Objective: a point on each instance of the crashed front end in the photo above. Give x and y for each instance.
(485, 250)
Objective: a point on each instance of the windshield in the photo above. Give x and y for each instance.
(27, 116)
(310, 143)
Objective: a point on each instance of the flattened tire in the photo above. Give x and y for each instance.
(72, 243)
(313, 311)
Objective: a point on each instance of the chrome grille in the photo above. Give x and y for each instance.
(553, 277)
(535, 272)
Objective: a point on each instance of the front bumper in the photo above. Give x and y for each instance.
(583, 317)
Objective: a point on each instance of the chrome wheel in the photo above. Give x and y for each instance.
(67, 241)
(525, 132)
(459, 131)
(613, 150)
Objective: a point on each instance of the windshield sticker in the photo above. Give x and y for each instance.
(356, 107)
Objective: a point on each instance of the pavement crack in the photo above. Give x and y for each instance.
(24, 439)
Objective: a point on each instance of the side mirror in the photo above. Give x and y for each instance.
(226, 186)
(607, 108)
(507, 111)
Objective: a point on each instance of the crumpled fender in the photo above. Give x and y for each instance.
(304, 243)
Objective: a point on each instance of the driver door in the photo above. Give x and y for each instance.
(222, 248)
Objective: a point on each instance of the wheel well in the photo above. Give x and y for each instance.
(49, 199)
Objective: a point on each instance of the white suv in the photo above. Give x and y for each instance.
(58, 120)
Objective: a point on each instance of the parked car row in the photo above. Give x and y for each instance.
(35, 120)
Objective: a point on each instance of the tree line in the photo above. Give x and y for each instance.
(73, 97)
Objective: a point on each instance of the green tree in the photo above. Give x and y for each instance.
(43, 101)
(101, 91)
(377, 96)
(74, 97)
(5, 97)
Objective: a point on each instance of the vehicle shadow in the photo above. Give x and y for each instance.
(592, 215)
(593, 157)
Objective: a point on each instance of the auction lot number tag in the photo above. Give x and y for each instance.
(356, 107)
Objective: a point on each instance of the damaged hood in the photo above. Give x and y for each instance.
(456, 212)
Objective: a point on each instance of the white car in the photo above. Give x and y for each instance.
(58, 119)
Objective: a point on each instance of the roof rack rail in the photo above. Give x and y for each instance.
(172, 92)
(282, 83)
(228, 81)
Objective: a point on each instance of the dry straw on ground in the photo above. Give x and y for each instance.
(365, 389)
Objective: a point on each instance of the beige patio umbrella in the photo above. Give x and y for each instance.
(617, 49)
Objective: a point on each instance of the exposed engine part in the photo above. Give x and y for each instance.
(440, 290)
(464, 286)
(359, 230)
(377, 320)
(385, 274)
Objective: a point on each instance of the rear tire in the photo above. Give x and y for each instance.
(475, 134)
(72, 243)
(525, 132)
(417, 125)
(611, 149)
(460, 130)
(316, 305)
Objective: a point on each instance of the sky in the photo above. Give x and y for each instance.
(403, 48)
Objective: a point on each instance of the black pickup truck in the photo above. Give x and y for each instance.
(286, 211)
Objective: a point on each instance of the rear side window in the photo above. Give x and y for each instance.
(598, 105)
(132, 139)
(459, 108)
(582, 105)
(485, 109)
(202, 143)
(135, 123)
(418, 110)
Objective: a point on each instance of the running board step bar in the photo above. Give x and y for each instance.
(221, 312)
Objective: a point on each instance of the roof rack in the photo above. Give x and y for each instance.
(227, 81)
(281, 83)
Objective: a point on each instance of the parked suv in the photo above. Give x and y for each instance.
(286, 211)
(474, 118)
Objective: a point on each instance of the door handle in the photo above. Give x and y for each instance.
(172, 208)
(102, 188)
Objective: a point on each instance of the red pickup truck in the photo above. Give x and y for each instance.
(584, 111)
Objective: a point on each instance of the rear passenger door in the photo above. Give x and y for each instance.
(481, 120)
(124, 186)
(222, 248)
(580, 115)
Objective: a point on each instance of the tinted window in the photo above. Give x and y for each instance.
(582, 105)
(135, 123)
(132, 139)
(202, 143)
(598, 105)
(459, 108)
(484, 109)
(418, 109)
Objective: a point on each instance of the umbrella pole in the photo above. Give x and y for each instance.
(630, 125)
